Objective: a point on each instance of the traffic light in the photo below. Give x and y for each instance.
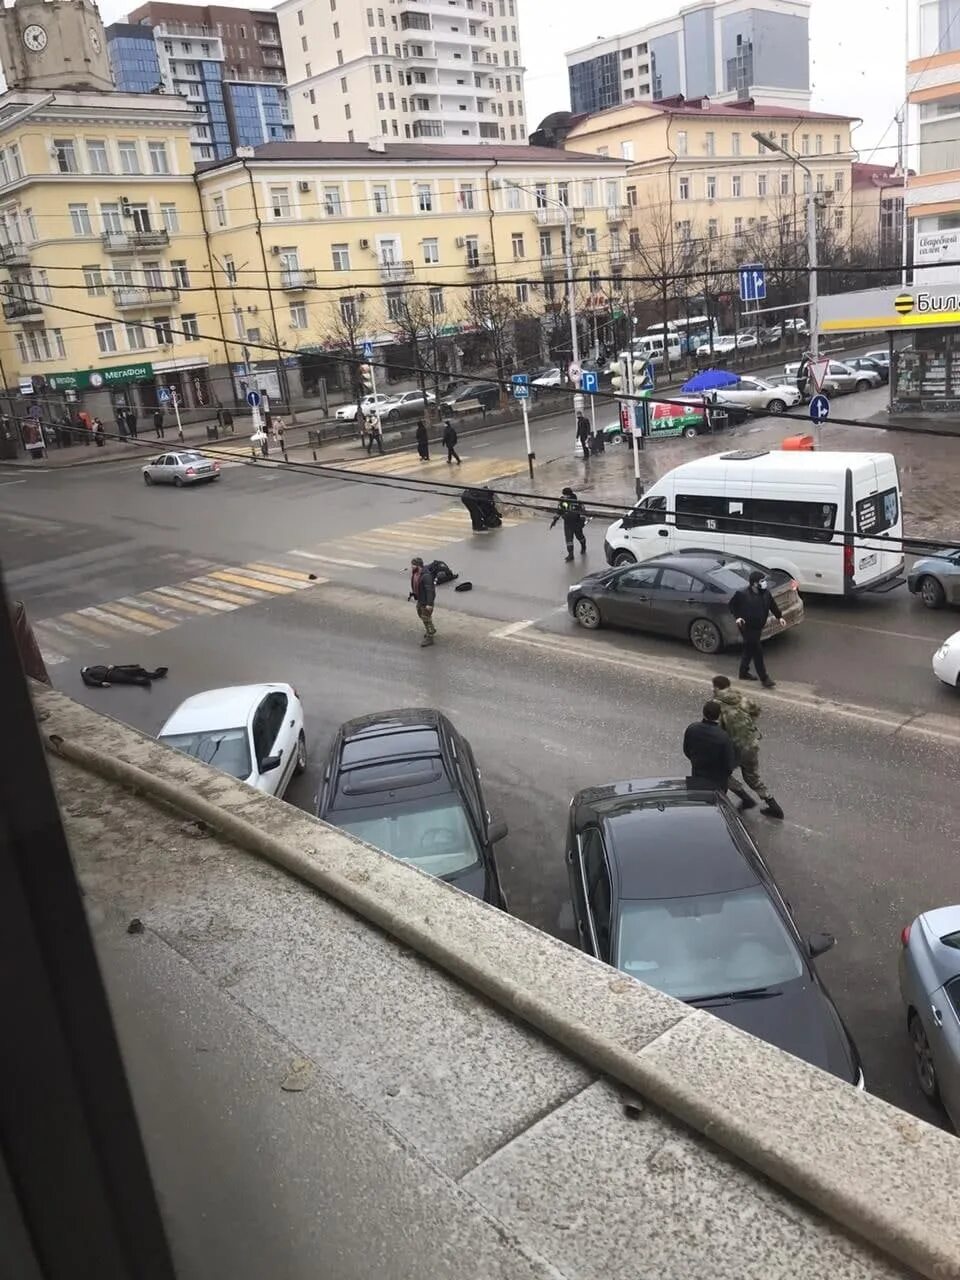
(620, 378)
(366, 378)
(639, 370)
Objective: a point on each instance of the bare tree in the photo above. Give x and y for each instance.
(665, 256)
(494, 309)
(423, 326)
(345, 325)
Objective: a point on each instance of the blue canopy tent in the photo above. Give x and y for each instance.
(711, 380)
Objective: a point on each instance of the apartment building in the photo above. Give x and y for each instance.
(726, 49)
(227, 63)
(932, 193)
(878, 210)
(444, 71)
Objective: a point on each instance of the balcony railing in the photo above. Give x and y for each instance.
(391, 271)
(618, 213)
(21, 309)
(553, 215)
(128, 297)
(133, 241)
(479, 261)
(14, 255)
(269, 39)
(297, 278)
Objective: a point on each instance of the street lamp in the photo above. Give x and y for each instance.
(813, 261)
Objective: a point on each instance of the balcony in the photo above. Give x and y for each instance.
(133, 297)
(479, 261)
(134, 241)
(297, 278)
(391, 272)
(555, 215)
(22, 309)
(14, 255)
(619, 212)
(268, 39)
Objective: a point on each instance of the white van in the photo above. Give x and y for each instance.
(650, 346)
(831, 520)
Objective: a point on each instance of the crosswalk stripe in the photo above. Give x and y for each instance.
(114, 620)
(255, 584)
(238, 596)
(300, 583)
(140, 615)
(297, 574)
(62, 631)
(165, 602)
(214, 602)
(88, 626)
(350, 564)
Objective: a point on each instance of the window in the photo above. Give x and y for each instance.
(381, 198)
(821, 182)
(473, 251)
(522, 291)
(394, 304)
(713, 229)
(190, 327)
(106, 339)
(298, 315)
(79, 219)
(513, 196)
(219, 211)
(168, 216)
(684, 229)
(738, 228)
(683, 189)
(341, 257)
(590, 235)
(349, 311)
(180, 274)
(467, 196)
(97, 156)
(332, 205)
(304, 43)
(279, 202)
(136, 338)
(838, 180)
(163, 331)
(300, 17)
(837, 143)
(818, 144)
(41, 344)
(626, 151)
(112, 222)
(516, 241)
(805, 144)
(784, 183)
(736, 186)
(682, 142)
(431, 250)
(563, 192)
(761, 184)
(159, 162)
(711, 186)
(65, 154)
(230, 270)
(710, 143)
(437, 306)
(734, 144)
(424, 197)
(632, 197)
(93, 279)
(612, 193)
(129, 157)
(838, 219)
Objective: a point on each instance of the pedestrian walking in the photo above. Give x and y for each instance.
(423, 442)
(374, 434)
(752, 606)
(98, 432)
(132, 423)
(158, 421)
(583, 435)
(738, 716)
(86, 426)
(570, 511)
(803, 373)
(423, 592)
(710, 750)
(449, 438)
(280, 435)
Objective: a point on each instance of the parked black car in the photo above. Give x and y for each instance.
(871, 365)
(668, 886)
(483, 395)
(683, 593)
(406, 782)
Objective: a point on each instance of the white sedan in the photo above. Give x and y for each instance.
(552, 377)
(760, 395)
(946, 661)
(348, 412)
(251, 731)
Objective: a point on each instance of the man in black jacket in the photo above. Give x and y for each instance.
(710, 750)
(449, 439)
(423, 590)
(570, 511)
(752, 607)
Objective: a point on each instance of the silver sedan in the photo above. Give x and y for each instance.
(936, 578)
(930, 990)
(185, 467)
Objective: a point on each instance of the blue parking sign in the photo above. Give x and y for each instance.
(590, 382)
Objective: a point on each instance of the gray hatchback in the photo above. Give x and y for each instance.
(187, 466)
(930, 990)
(936, 578)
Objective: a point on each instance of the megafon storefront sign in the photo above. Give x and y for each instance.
(886, 309)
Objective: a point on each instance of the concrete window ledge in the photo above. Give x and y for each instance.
(386, 1078)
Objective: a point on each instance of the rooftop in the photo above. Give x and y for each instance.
(746, 109)
(876, 175)
(441, 153)
(343, 1065)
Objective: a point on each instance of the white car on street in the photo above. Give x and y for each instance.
(251, 731)
(348, 412)
(549, 377)
(759, 395)
(726, 343)
(946, 661)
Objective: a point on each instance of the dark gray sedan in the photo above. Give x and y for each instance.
(936, 578)
(930, 989)
(686, 594)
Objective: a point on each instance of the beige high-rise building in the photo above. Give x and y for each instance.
(427, 70)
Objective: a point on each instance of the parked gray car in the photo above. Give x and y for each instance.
(930, 989)
(408, 404)
(936, 578)
(840, 378)
(188, 466)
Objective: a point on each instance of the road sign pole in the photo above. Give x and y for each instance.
(176, 413)
(526, 436)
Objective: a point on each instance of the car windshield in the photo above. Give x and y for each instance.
(191, 456)
(432, 834)
(714, 944)
(226, 749)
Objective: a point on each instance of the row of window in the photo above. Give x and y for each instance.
(435, 129)
(150, 276)
(381, 49)
(689, 184)
(709, 145)
(741, 226)
(116, 218)
(139, 336)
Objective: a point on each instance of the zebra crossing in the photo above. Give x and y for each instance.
(217, 591)
(472, 471)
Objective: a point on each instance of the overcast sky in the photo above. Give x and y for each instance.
(857, 54)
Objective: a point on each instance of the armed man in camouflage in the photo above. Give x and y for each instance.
(738, 715)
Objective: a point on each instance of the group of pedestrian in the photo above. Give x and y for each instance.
(725, 739)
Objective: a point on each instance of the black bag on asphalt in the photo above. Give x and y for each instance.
(441, 572)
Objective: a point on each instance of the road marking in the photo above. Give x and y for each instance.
(86, 625)
(254, 584)
(165, 603)
(213, 603)
(350, 564)
(114, 620)
(5, 484)
(297, 575)
(512, 629)
(292, 583)
(139, 615)
(216, 589)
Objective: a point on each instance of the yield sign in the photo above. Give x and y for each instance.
(817, 371)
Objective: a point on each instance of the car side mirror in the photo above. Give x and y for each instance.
(269, 763)
(496, 831)
(818, 943)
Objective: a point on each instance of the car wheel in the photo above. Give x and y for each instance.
(689, 433)
(932, 593)
(862, 384)
(178, 481)
(777, 406)
(923, 1059)
(624, 557)
(705, 636)
(301, 765)
(587, 614)
(147, 478)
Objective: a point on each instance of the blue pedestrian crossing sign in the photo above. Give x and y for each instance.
(753, 283)
(590, 382)
(819, 409)
(645, 380)
(521, 386)
(163, 395)
(368, 351)
(253, 399)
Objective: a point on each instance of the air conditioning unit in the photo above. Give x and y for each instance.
(304, 187)
(364, 244)
(461, 242)
(275, 250)
(580, 231)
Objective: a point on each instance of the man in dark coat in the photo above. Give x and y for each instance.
(710, 750)
(158, 421)
(570, 511)
(423, 440)
(752, 606)
(449, 439)
(583, 435)
(424, 592)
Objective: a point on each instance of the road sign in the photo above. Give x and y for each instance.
(574, 371)
(645, 380)
(164, 394)
(590, 382)
(753, 283)
(819, 409)
(817, 372)
(521, 386)
(368, 351)
(253, 399)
